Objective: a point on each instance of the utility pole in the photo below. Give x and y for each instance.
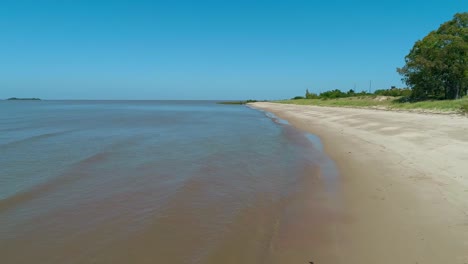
(370, 86)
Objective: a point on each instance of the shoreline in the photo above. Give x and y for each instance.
(404, 182)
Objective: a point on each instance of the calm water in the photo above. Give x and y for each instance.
(158, 182)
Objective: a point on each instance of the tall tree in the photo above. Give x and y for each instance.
(437, 66)
(307, 94)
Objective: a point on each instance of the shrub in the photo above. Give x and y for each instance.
(394, 92)
(298, 97)
(333, 94)
(312, 96)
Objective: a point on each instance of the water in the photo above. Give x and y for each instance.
(158, 182)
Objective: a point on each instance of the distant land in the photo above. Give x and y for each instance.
(237, 102)
(15, 98)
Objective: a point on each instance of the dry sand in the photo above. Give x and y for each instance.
(404, 182)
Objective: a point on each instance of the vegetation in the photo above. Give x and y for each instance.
(435, 70)
(15, 98)
(437, 65)
(349, 101)
(311, 95)
(387, 102)
(464, 107)
(406, 92)
(334, 94)
(237, 102)
(298, 98)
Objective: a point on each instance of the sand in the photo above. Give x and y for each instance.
(404, 183)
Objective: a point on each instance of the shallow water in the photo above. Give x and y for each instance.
(158, 182)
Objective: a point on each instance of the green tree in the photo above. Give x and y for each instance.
(309, 95)
(333, 94)
(437, 65)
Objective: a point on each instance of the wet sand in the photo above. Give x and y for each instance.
(404, 183)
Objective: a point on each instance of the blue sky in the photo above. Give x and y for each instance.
(207, 49)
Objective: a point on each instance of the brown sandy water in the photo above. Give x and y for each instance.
(160, 182)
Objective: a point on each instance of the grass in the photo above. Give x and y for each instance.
(464, 107)
(460, 105)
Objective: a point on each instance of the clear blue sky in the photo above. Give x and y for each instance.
(133, 49)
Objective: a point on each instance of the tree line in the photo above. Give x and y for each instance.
(336, 93)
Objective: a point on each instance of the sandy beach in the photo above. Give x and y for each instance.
(404, 183)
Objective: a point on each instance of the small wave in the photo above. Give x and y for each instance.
(34, 138)
(75, 173)
(276, 119)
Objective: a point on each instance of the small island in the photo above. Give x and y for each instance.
(23, 99)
